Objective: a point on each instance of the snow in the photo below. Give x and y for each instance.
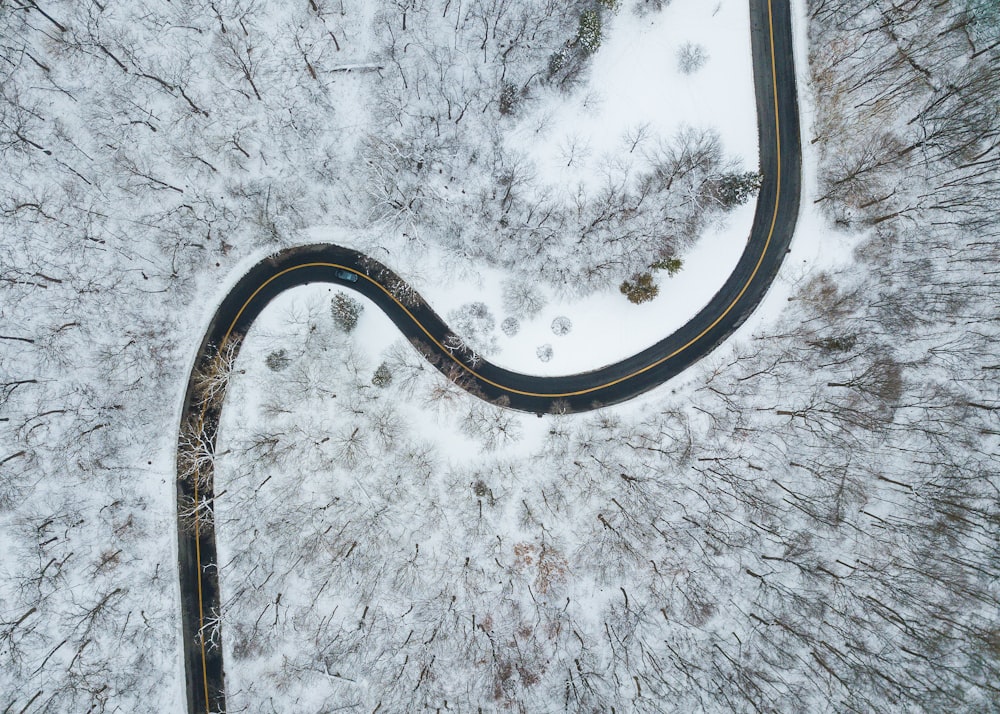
(634, 81)
(111, 458)
(615, 99)
(815, 246)
(607, 328)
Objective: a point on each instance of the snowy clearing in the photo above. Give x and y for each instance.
(633, 96)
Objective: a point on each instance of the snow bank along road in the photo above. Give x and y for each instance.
(774, 222)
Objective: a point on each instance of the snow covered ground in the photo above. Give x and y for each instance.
(605, 326)
(634, 95)
(635, 81)
(837, 455)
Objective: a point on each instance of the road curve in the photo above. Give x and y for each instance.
(773, 225)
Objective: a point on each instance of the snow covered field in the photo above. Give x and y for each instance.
(635, 81)
(633, 96)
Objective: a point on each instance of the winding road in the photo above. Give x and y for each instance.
(773, 225)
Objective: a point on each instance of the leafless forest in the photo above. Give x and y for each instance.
(809, 522)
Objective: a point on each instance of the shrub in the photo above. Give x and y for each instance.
(345, 311)
(510, 326)
(382, 376)
(691, 57)
(589, 35)
(544, 352)
(671, 265)
(508, 98)
(277, 360)
(561, 326)
(640, 288)
(557, 60)
(735, 189)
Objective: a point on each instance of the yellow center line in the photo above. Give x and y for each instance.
(556, 395)
(470, 370)
(588, 390)
(197, 552)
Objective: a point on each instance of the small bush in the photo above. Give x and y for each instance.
(510, 326)
(640, 288)
(736, 189)
(544, 352)
(277, 360)
(588, 36)
(557, 60)
(346, 311)
(561, 326)
(382, 376)
(691, 58)
(508, 98)
(671, 265)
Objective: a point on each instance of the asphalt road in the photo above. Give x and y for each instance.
(774, 222)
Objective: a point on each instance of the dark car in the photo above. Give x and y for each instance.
(346, 275)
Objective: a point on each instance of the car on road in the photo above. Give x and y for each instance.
(346, 275)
